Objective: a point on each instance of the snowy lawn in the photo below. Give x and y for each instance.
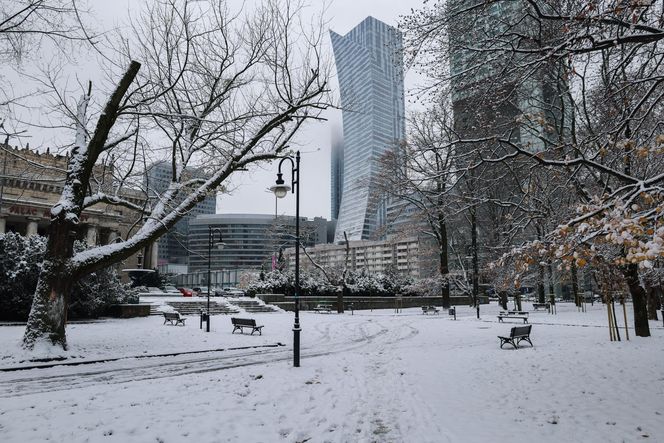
(372, 376)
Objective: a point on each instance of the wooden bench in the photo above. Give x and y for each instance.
(241, 323)
(537, 306)
(523, 315)
(323, 308)
(174, 318)
(430, 309)
(517, 335)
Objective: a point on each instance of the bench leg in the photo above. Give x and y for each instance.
(524, 339)
(504, 341)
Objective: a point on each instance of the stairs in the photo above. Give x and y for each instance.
(195, 307)
(251, 305)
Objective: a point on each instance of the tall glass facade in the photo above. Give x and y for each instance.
(336, 173)
(503, 94)
(369, 63)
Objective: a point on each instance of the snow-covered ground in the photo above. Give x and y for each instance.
(373, 376)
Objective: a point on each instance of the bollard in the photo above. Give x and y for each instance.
(205, 317)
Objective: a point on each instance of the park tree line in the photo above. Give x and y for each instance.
(543, 143)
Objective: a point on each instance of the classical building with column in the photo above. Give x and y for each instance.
(31, 183)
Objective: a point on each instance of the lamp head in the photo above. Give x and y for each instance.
(280, 189)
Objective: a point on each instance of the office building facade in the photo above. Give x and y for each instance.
(409, 256)
(369, 65)
(251, 241)
(173, 246)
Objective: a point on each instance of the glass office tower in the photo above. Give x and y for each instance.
(370, 70)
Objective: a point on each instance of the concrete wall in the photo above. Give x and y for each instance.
(129, 310)
(359, 303)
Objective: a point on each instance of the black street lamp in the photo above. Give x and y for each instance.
(280, 189)
(211, 232)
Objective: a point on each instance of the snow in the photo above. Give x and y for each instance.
(372, 376)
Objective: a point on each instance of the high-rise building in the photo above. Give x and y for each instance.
(173, 247)
(500, 90)
(369, 65)
(336, 173)
(494, 90)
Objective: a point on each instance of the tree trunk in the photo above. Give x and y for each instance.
(575, 285)
(541, 296)
(340, 300)
(641, 327)
(444, 265)
(476, 265)
(552, 290)
(48, 314)
(503, 299)
(652, 302)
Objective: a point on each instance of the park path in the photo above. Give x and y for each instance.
(371, 400)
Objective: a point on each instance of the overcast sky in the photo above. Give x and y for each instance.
(249, 193)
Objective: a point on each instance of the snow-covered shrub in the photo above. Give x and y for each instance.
(316, 284)
(273, 282)
(20, 262)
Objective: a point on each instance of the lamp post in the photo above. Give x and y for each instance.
(211, 232)
(280, 189)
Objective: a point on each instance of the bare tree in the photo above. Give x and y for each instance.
(419, 174)
(26, 24)
(600, 64)
(204, 88)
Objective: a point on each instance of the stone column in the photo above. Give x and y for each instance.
(3, 224)
(154, 255)
(33, 228)
(91, 236)
(113, 237)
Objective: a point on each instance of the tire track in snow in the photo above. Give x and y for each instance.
(120, 372)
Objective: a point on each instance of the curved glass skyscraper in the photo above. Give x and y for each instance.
(370, 70)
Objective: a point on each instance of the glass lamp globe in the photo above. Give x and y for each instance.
(280, 190)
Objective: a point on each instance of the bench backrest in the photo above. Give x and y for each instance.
(518, 331)
(171, 315)
(243, 321)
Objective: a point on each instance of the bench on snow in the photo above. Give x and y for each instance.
(174, 318)
(536, 306)
(430, 309)
(323, 308)
(241, 323)
(517, 335)
(523, 315)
